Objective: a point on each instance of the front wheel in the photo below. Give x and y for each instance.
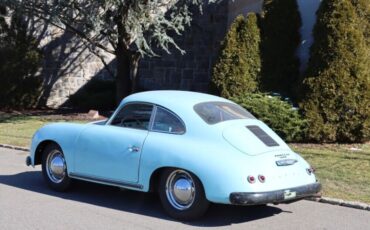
(54, 168)
(182, 194)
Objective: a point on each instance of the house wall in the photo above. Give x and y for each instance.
(238, 7)
(307, 10)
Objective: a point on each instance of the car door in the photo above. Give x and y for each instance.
(111, 153)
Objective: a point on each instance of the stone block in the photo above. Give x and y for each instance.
(187, 73)
(201, 76)
(203, 64)
(93, 114)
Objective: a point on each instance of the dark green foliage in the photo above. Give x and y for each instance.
(238, 68)
(20, 60)
(96, 94)
(337, 83)
(277, 114)
(280, 37)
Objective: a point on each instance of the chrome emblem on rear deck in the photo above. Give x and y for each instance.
(282, 155)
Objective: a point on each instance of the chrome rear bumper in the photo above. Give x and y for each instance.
(280, 196)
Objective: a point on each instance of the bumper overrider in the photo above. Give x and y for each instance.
(279, 196)
(28, 161)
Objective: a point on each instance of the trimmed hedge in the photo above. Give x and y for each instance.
(279, 115)
(337, 82)
(238, 68)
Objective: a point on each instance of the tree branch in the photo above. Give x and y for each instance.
(38, 13)
(83, 36)
(106, 66)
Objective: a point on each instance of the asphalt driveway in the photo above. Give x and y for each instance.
(27, 203)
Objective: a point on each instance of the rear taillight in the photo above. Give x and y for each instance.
(251, 179)
(262, 178)
(310, 170)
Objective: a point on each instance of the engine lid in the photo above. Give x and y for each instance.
(254, 139)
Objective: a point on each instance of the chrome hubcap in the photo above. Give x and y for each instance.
(180, 189)
(56, 166)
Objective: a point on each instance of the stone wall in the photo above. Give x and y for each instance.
(201, 42)
(192, 70)
(238, 7)
(307, 10)
(69, 65)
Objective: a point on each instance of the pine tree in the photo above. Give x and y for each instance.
(280, 37)
(337, 83)
(238, 68)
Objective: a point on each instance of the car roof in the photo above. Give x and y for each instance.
(172, 99)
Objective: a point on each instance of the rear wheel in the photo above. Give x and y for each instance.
(54, 168)
(182, 194)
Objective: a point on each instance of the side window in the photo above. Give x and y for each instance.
(136, 116)
(167, 122)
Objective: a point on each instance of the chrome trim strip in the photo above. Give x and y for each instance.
(151, 121)
(105, 181)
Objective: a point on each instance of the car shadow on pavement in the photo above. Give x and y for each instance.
(135, 202)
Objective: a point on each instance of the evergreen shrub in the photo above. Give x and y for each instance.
(238, 68)
(20, 59)
(278, 114)
(337, 81)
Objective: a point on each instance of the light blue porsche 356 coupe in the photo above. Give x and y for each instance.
(191, 148)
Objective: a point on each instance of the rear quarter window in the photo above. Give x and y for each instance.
(167, 122)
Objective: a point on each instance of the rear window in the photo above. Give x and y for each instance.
(215, 112)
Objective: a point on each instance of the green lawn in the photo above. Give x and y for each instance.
(18, 130)
(343, 170)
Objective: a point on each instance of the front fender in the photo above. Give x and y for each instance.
(63, 134)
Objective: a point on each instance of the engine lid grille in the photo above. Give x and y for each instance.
(262, 135)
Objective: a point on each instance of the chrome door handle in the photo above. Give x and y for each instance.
(134, 149)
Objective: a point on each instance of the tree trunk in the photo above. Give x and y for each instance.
(123, 81)
(126, 76)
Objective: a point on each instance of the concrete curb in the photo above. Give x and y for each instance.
(339, 202)
(15, 147)
(326, 200)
